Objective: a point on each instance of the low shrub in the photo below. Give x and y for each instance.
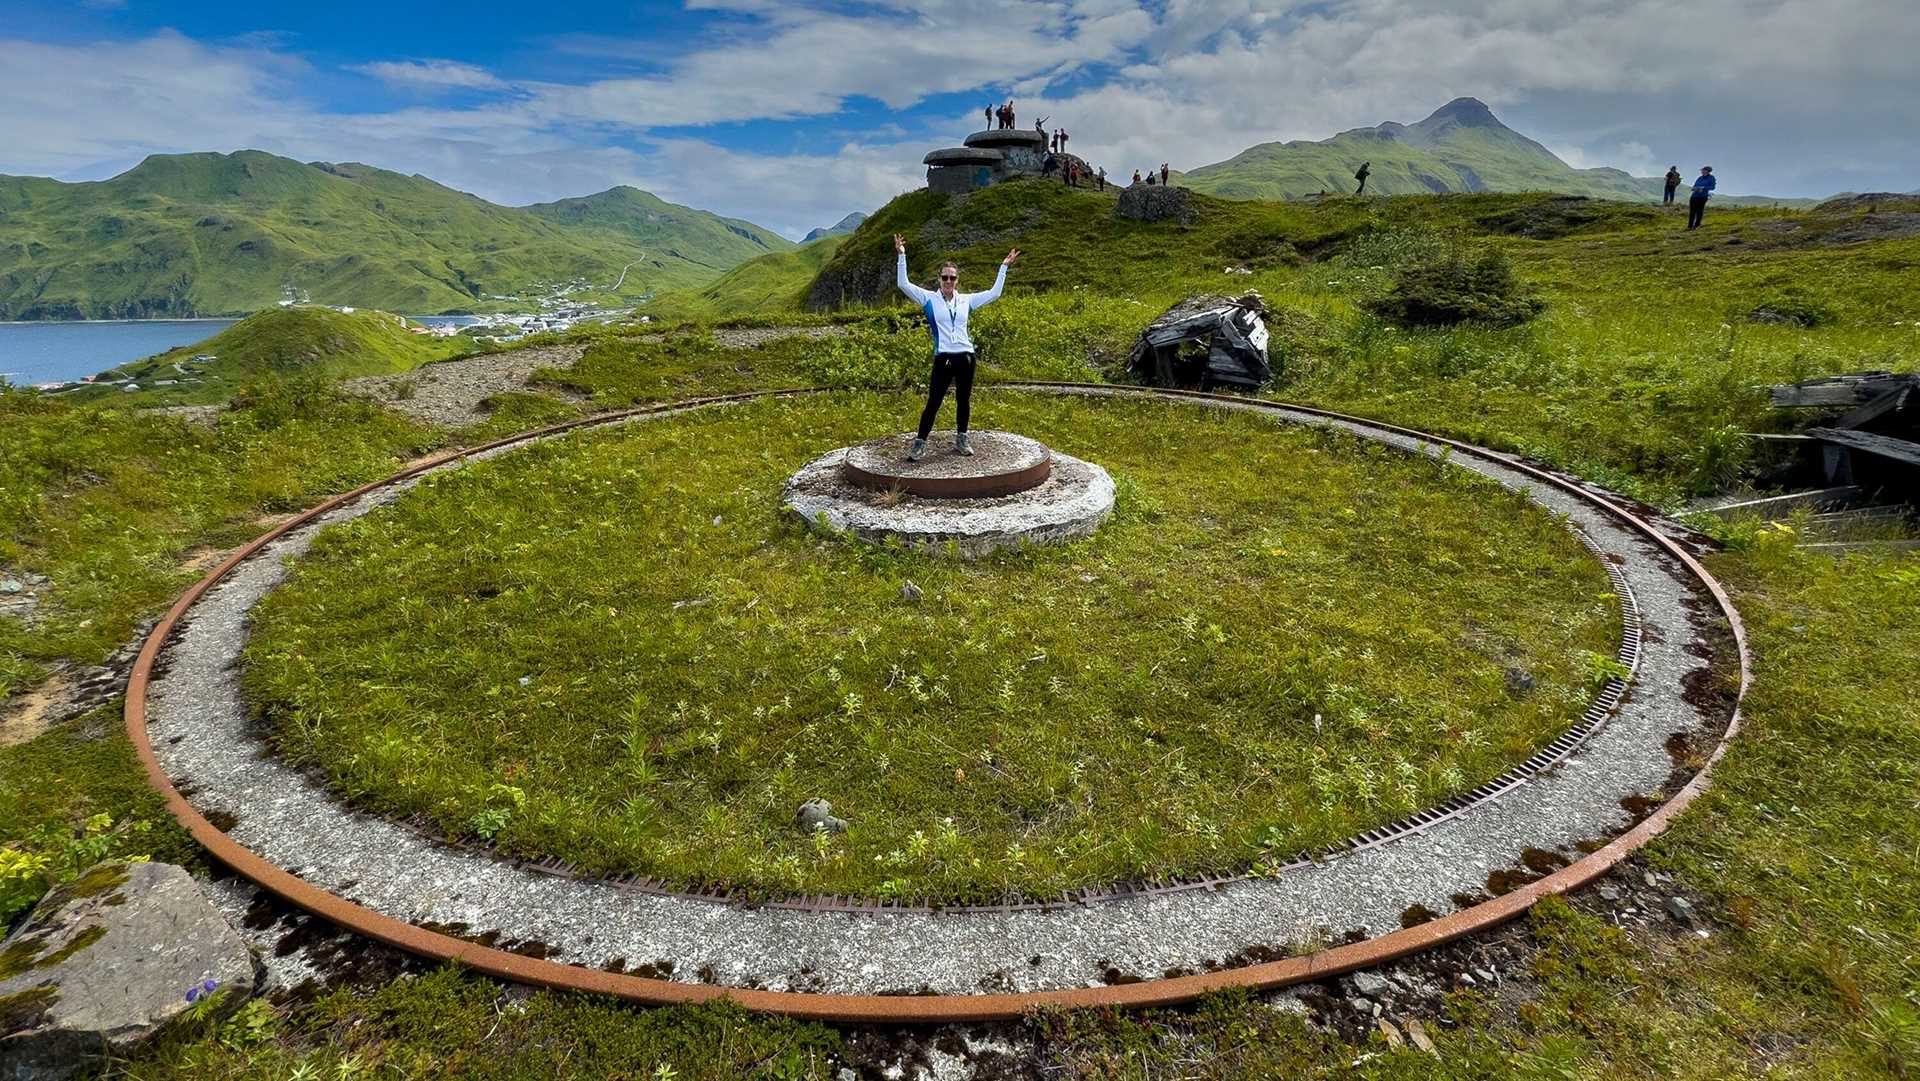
(1791, 307)
(1459, 286)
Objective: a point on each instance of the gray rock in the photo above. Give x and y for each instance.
(816, 815)
(106, 961)
(1371, 984)
(13, 585)
(911, 593)
(1681, 910)
(1609, 894)
(1520, 680)
(1143, 202)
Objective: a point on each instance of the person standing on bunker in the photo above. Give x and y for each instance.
(946, 310)
(988, 112)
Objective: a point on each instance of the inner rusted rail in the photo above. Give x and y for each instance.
(919, 1009)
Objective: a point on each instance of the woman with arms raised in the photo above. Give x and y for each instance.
(946, 310)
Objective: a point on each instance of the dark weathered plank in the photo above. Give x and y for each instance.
(1838, 390)
(1780, 506)
(1884, 446)
(1890, 402)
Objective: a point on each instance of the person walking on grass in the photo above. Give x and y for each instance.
(946, 309)
(1673, 181)
(1100, 178)
(1361, 174)
(1702, 191)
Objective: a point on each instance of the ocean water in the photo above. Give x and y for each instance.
(57, 352)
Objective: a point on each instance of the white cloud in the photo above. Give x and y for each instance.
(432, 74)
(1791, 96)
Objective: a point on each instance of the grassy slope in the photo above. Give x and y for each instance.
(1796, 857)
(223, 233)
(316, 342)
(772, 283)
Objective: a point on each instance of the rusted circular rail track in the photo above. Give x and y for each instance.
(905, 1009)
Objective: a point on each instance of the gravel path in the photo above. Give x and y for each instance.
(202, 732)
(449, 393)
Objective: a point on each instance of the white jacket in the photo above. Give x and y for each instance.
(948, 319)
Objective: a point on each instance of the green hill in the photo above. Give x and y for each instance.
(212, 234)
(1462, 147)
(776, 282)
(667, 231)
(281, 341)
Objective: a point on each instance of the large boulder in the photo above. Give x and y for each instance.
(1156, 202)
(106, 961)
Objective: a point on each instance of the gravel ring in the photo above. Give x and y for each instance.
(201, 734)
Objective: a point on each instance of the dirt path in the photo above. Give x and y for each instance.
(450, 393)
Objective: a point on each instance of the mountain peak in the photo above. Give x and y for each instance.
(846, 225)
(1466, 112)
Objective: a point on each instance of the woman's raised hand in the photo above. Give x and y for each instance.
(900, 243)
(1011, 256)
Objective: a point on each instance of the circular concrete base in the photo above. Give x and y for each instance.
(1001, 464)
(1069, 500)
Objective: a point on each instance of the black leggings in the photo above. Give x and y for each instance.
(955, 369)
(1696, 209)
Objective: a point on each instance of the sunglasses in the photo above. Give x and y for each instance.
(949, 277)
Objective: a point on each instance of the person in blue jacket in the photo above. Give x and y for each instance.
(946, 310)
(1702, 191)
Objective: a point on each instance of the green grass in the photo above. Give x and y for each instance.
(1801, 849)
(107, 503)
(616, 651)
(775, 282)
(215, 234)
(314, 342)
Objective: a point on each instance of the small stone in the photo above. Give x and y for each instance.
(13, 585)
(1681, 910)
(1520, 680)
(816, 815)
(1417, 1032)
(846, 1074)
(1360, 1006)
(1391, 1034)
(1484, 975)
(1370, 984)
(1609, 894)
(716, 519)
(1467, 978)
(911, 593)
(1650, 881)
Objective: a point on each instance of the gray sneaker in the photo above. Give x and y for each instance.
(918, 450)
(960, 445)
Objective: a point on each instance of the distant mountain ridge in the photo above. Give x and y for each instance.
(214, 234)
(1462, 147)
(841, 228)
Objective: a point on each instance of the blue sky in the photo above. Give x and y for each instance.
(791, 114)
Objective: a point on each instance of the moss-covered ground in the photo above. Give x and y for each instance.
(1800, 858)
(616, 649)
